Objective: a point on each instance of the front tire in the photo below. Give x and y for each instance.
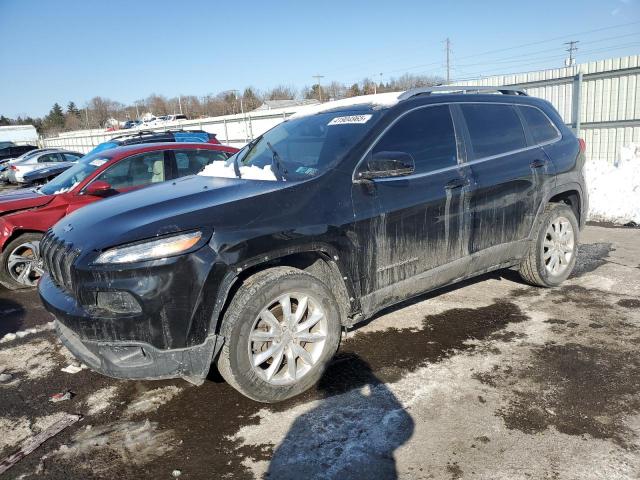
(552, 256)
(281, 330)
(20, 262)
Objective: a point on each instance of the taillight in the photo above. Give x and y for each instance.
(13, 167)
(583, 145)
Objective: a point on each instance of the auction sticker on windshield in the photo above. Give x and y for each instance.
(350, 119)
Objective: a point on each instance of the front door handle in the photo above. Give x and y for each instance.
(456, 183)
(538, 163)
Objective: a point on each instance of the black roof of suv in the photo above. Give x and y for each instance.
(316, 224)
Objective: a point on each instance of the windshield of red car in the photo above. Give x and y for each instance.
(70, 178)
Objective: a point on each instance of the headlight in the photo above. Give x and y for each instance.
(153, 249)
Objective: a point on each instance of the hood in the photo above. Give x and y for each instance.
(22, 199)
(173, 206)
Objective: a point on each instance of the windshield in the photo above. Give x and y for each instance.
(297, 149)
(76, 174)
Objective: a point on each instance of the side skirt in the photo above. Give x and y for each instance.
(489, 259)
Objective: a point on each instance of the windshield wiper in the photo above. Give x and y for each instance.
(236, 166)
(276, 163)
(236, 158)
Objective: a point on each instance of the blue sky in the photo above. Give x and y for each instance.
(64, 50)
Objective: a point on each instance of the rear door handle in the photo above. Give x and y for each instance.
(538, 163)
(456, 183)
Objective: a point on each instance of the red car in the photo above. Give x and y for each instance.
(26, 214)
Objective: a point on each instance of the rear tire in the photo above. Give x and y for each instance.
(267, 357)
(552, 255)
(21, 253)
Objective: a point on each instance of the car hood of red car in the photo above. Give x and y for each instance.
(21, 200)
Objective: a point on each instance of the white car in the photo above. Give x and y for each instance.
(44, 158)
(4, 167)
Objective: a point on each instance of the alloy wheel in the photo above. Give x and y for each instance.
(558, 246)
(25, 265)
(288, 338)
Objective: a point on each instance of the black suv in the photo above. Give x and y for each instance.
(316, 225)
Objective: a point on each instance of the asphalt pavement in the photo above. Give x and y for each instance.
(486, 379)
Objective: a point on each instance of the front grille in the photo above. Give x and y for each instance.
(58, 257)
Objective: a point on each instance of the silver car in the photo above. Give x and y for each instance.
(43, 159)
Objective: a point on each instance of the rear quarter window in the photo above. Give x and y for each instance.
(539, 125)
(494, 129)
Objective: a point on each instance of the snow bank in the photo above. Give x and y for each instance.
(382, 99)
(614, 190)
(220, 169)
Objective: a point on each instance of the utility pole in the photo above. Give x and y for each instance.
(448, 50)
(318, 77)
(573, 47)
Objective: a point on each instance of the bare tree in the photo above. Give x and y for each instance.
(281, 92)
(157, 104)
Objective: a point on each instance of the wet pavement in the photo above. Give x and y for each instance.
(486, 379)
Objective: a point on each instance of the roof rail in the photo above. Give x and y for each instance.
(414, 92)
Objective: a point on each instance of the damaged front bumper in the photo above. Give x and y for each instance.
(138, 360)
(124, 357)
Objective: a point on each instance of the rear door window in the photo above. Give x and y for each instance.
(190, 162)
(48, 158)
(427, 134)
(541, 128)
(494, 129)
(136, 171)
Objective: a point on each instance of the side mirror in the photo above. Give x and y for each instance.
(99, 188)
(388, 164)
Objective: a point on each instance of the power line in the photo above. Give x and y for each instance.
(555, 49)
(489, 52)
(478, 75)
(552, 39)
(573, 47)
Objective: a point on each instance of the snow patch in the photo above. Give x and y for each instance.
(13, 431)
(100, 400)
(220, 169)
(33, 360)
(66, 189)
(151, 400)
(614, 190)
(29, 331)
(381, 99)
(134, 442)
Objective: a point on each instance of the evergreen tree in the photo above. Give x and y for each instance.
(55, 118)
(73, 110)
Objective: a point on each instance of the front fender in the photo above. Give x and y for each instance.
(221, 280)
(6, 232)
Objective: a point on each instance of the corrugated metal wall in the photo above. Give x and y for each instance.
(607, 112)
